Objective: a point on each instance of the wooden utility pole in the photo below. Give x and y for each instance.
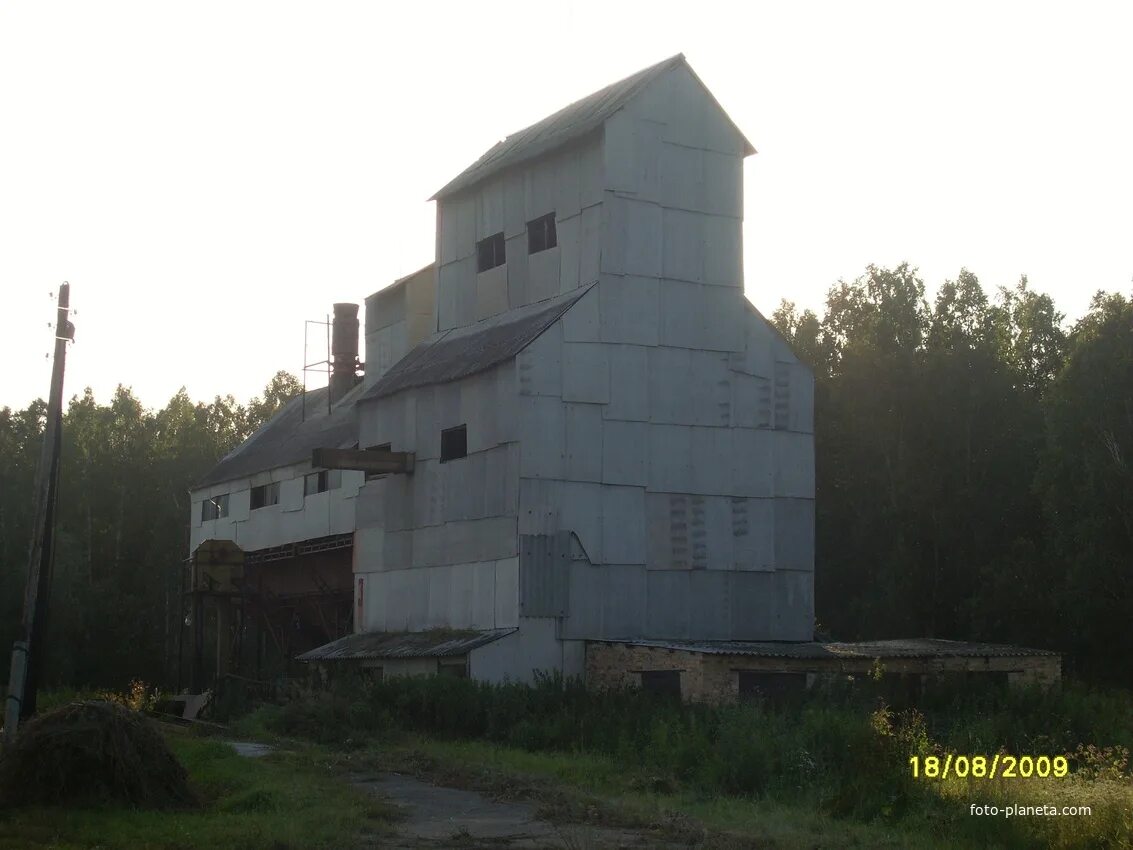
(27, 654)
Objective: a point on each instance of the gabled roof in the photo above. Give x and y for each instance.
(464, 351)
(568, 124)
(288, 437)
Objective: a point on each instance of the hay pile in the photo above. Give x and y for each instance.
(92, 752)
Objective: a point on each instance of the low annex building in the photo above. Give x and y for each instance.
(573, 432)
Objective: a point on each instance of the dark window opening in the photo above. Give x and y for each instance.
(214, 508)
(264, 495)
(772, 686)
(384, 447)
(490, 252)
(541, 234)
(457, 671)
(665, 682)
(454, 443)
(320, 482)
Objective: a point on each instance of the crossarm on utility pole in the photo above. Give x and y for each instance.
(366, 460)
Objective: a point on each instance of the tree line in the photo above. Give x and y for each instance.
(974, 460)
(974, 466)
(122, 532)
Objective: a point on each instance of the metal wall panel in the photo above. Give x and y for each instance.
(428, 494)
(507, 397)
(801, 415)
(693, 119)
(629, 383)
(591, 173)
(540, 364)
(722, 250)
(446, 412)
(667, 539)
(622, 601)
(681, 179)
(515, 204)
(751, 401)
(539, 183)
(369, 506)
(544, 574)
(712, 459)
(398, 499)
(682, 312)
(683, 241)
(587, 589)
(538, 506)
(642, 238)
(723, 318)
(461, 597)
(753, 604)
(670, 384)
(753, 464)
(667, 593)
(568, 184)
(518, 271)
(482, 595)
(629, 309)
(440, 590)
(489, 208)
(397, 550)
(542, 437)
(583, 456)
(794, 534)
(623, 525)
(581, 322)
(620, 153)
(710, 605)
(794, 464)
(492, 292)
(711, 389)
(580, 511)
(426, 443)
(586, 372)
(290, 495)
(460, 214)
(624, 448)
(753, 534)
(464, 487)
(543, 275)
(723, 184)
(569, 236)
(506, 593)
(479, 402)
(670, 456)
(590, 245)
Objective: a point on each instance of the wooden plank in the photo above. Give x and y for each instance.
(366, 460)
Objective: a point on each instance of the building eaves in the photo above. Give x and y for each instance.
(565, 126)
(863, 650)
(464, 351)
(436, 643)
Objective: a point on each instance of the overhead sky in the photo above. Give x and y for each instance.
(208, 175)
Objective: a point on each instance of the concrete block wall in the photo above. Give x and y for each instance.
(567, 183)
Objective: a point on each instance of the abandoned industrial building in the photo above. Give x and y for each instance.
(576, 446)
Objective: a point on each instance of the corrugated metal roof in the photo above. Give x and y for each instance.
(437, 643)
(465, 351)
(288, 438)
(866, 650)
(568, 124)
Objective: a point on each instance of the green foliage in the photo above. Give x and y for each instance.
(122, 528)
(973, 465)
(277, 802)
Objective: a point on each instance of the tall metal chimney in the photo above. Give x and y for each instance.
(344, 350)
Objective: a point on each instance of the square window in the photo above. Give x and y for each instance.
(214, 508)
(454, 443)
(490, 252)
(265, 495)
(541, 234)
(314, 482)
(384, 447)
(665, 682)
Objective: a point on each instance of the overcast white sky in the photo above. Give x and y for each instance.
(208, 175)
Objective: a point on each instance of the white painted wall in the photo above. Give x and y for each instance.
(293, 519)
